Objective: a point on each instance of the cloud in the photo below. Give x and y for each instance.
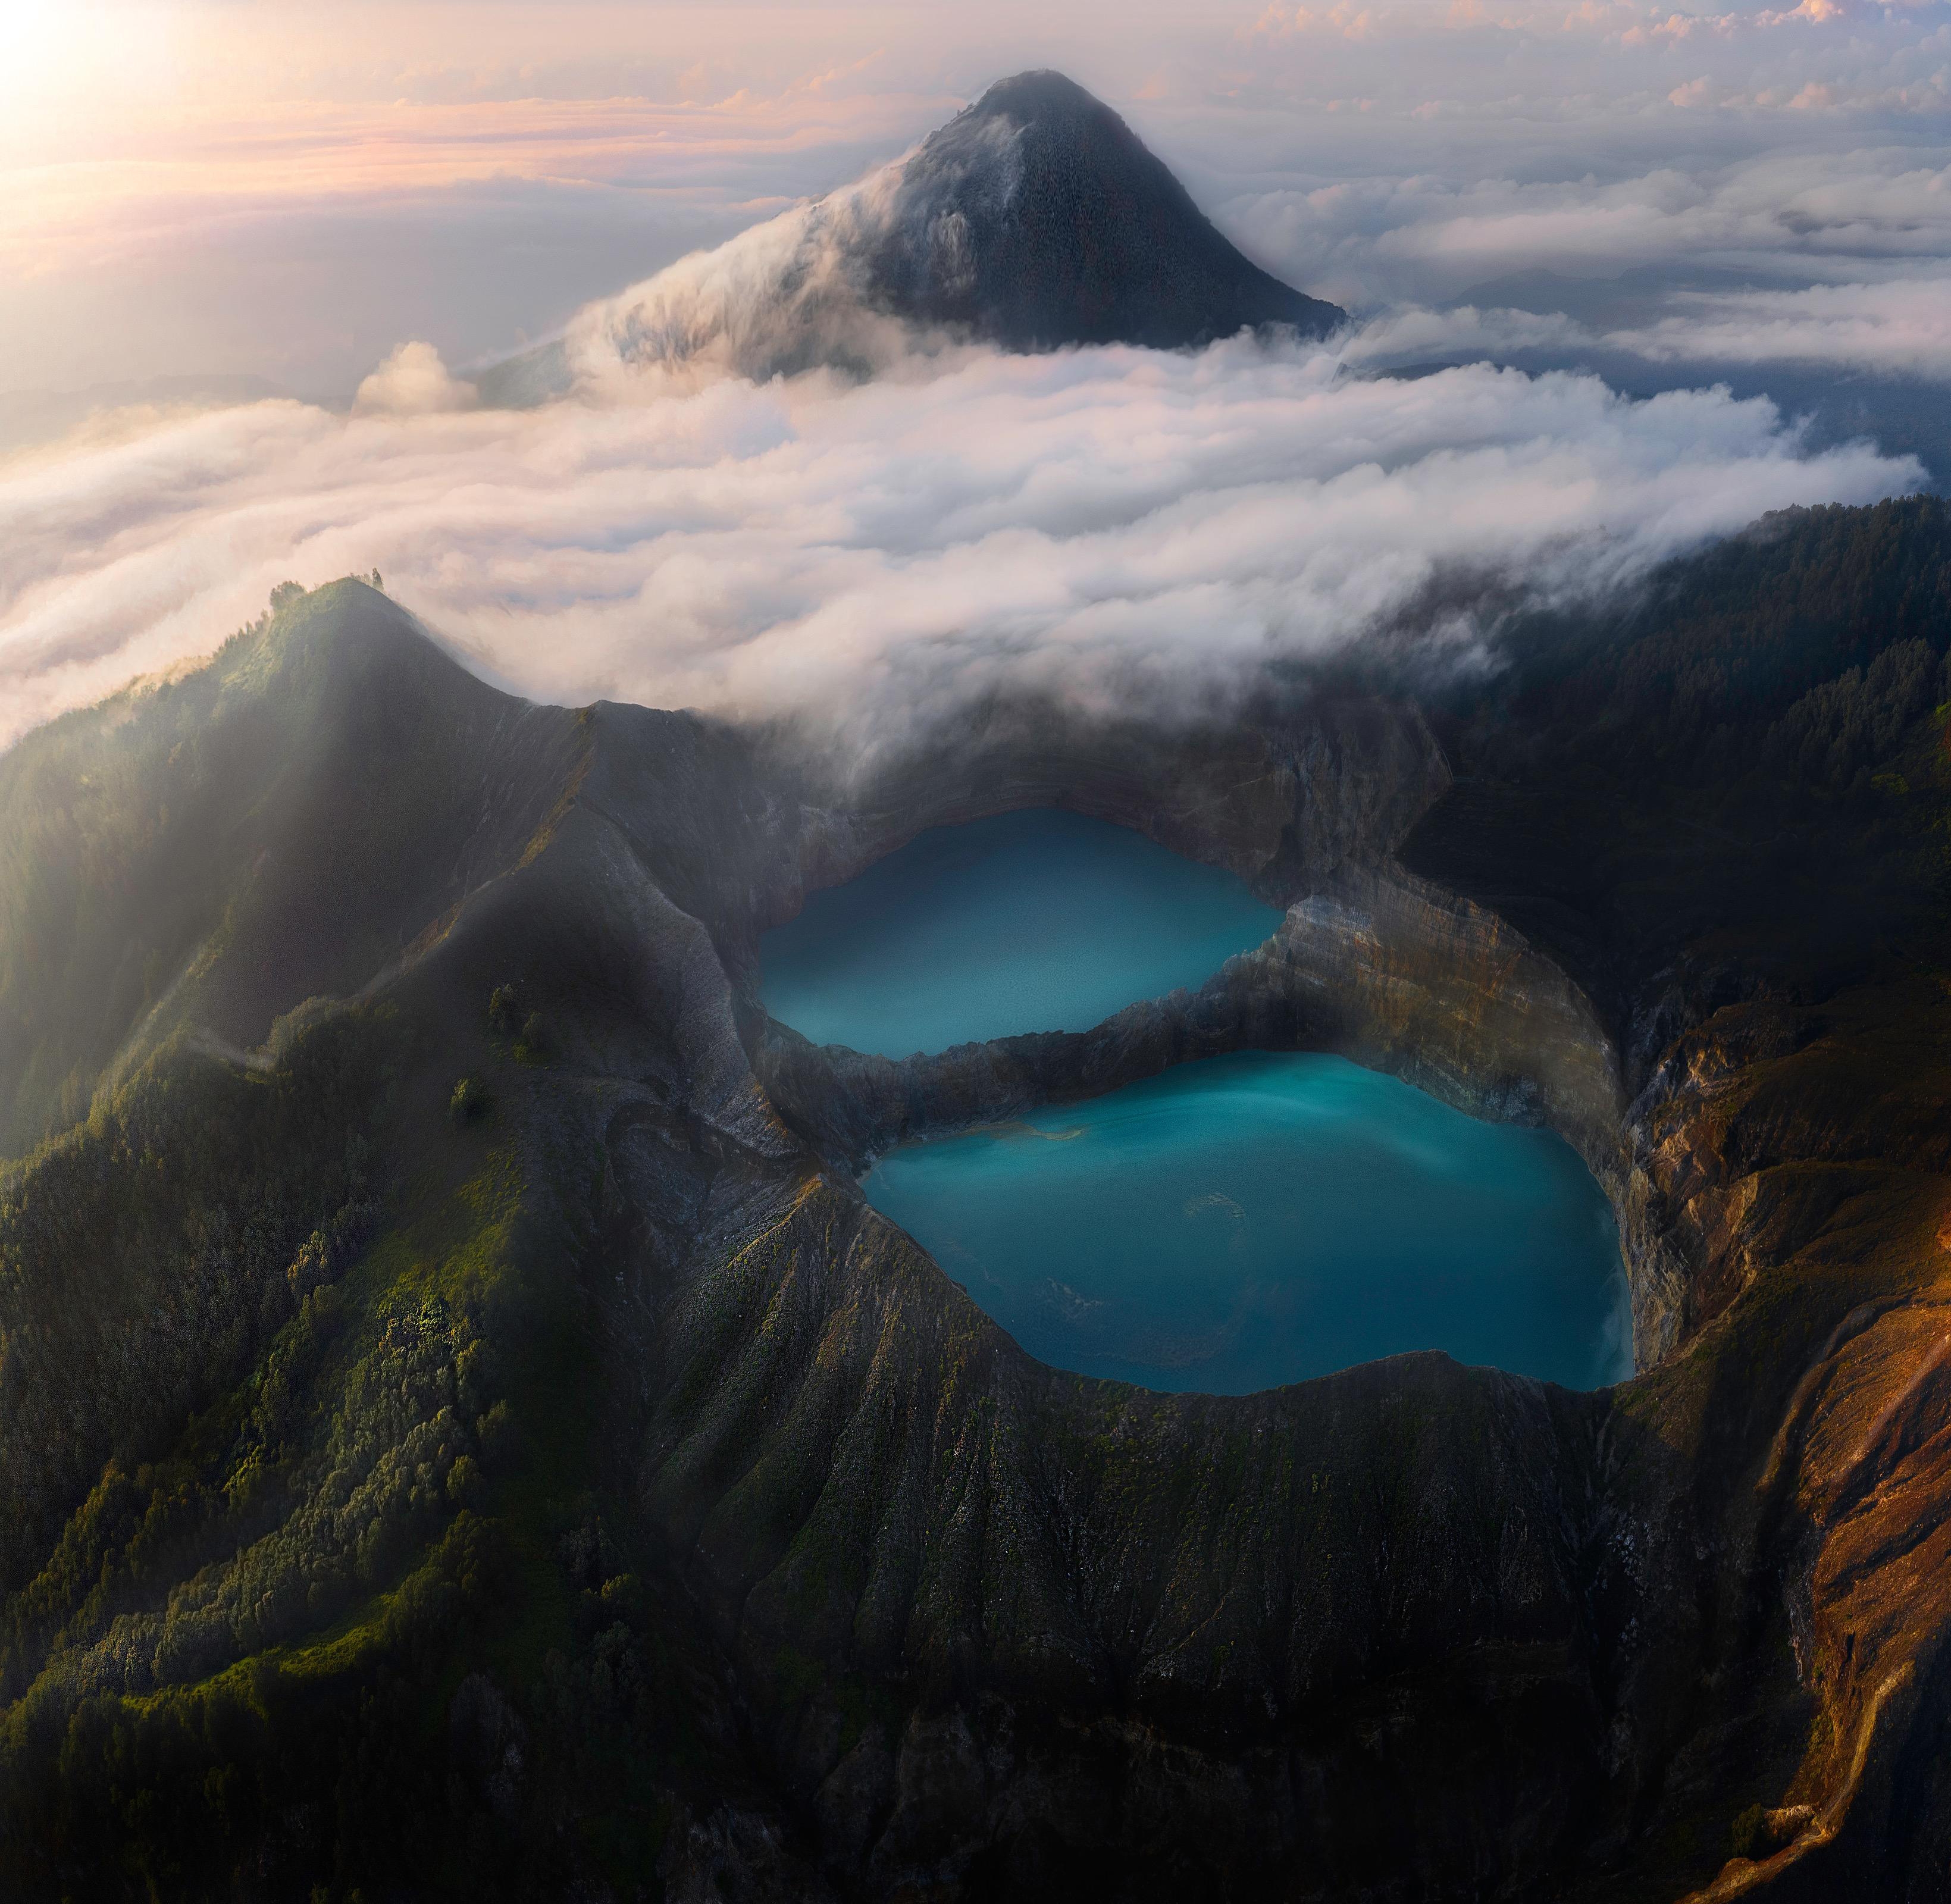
(413, 382)
(1114, 526)
(1788, 215)
(1419, 335)
(1899, 327)
(782, 296)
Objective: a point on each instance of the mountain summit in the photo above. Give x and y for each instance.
(1032, 219)
(1037, 218)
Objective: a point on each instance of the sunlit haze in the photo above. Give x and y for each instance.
(206, 208)
(195, 189)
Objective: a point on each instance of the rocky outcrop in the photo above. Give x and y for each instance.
(1721, 1171)
(982, 1628)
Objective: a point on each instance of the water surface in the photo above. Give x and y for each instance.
(1038, 921)
(1248, 1221)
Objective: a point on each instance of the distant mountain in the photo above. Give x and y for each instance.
(1035, 219)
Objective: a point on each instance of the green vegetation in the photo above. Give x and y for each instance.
(286, 1472)
(210, 851)
(359, 1616)
(329, 1562)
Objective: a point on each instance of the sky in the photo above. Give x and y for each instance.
(287, 190)
(1743, 216)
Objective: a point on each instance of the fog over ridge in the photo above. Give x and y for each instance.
(1119, 528)
(745, 483)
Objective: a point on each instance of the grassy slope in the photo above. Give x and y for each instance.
(298, 1421)
(349, 1515)
(216, 848)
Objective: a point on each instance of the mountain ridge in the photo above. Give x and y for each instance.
(565, 1485)
(1034, 220)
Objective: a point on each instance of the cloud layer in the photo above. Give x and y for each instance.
(199, 187)
(413, 382)
(297, 199)
(1112, 526)
(1900, 327)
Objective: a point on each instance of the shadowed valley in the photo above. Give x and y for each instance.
(570, 1478)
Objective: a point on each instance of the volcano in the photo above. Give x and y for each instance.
(1034, 220)
(1038, 218)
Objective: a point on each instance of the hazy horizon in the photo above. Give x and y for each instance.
(205, 188)
(1745, 215)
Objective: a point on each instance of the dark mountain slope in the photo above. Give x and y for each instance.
(1745, 715)
(1036, 218)
(1033, 220)
(213, 850)
(577, 1491)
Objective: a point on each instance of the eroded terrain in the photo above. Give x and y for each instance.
(593, 1428)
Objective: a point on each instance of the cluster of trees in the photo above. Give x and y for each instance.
(290, 1607)
(146, 1256)
(1694, 680)
(1838, 733)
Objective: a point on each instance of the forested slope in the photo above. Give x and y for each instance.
(563, 1487)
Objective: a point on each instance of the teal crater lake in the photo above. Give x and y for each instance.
(1035, 920)
(1245, 1222)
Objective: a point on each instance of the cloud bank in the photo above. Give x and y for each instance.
(413, 382)
(1900, 327)
(1114, 527)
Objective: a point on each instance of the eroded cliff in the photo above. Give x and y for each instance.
(589, 1422)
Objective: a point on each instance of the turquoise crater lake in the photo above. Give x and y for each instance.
(1249, 1221)
(1036, 921)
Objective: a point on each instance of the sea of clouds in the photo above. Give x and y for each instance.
(1765, 192)
(1112, 526)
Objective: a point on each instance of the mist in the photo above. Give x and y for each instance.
(748, 489)
(1115, 528)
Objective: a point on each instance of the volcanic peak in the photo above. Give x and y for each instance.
(1037, 218)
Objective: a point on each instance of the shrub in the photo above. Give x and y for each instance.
(502, 1008)
(468, 1101)
(467, 1486)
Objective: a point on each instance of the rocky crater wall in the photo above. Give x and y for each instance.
(861, 1471)
(1370, 962)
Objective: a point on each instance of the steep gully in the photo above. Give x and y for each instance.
(1413, 1630)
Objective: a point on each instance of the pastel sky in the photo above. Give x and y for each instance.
(1656, 273)
(192, 187)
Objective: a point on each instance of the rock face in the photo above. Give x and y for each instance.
(941, 1622)
(1037, 218)
(1034, 220)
